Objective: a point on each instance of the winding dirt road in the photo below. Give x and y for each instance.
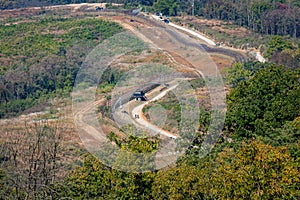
(138, 111)
(159, 39)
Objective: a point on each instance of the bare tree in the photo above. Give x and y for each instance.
(30, 158)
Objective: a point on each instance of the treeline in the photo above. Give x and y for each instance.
(42, 58)
(269, 17)
(263, 16)
(275, 17)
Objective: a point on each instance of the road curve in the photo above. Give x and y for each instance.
(223, 50)
(138, 111)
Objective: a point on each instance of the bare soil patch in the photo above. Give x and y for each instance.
(219, 25)
(222, 61)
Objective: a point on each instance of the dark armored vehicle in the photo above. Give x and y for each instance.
(139, 96)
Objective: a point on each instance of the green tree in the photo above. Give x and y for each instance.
(166, 7)
(96, 181)
(256, 171)
(278, 43)
(236, 73)
(263, 103)
(180, 183)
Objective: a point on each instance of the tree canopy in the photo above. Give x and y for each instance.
(264, 103)
(255, 171)
(166, 7)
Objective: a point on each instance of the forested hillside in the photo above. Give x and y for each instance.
(41, 58)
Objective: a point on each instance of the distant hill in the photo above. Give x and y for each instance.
(12, 4)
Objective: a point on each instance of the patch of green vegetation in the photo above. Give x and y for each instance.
(42, 57)
(49, 35)
(264, 106)
(173, 110)
(135, 144)
(197, 83)
(105, 88)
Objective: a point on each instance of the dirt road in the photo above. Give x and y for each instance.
(138, 111)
